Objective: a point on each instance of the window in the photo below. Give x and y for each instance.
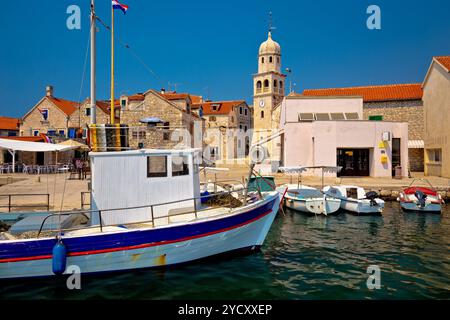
(240, 127)
(35, 133)
(322, 116)
(376, 118)
(434, 155)
(138, 134)
(61, 132)
(266, 83)
(262, 114)
(245, 111)
(156, 166)
(275, 83)
(281, 84)
(51, 133)
(262, 59)
(166, 134)
(270, 59)
(123, 103)
(278, 59)
(88, 112)
(44, 113)
(240, 110)
(305, 116)
(352, 116)
(337, 116)
(258, 85)
(180, 166)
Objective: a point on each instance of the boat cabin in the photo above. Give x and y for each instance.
(137, 179)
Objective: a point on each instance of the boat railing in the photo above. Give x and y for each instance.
(216, 183)
(152, 207)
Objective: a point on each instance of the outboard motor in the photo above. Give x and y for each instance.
(372, 195)
(421, 198)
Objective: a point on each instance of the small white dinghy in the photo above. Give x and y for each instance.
(307, 199)
(355, 199)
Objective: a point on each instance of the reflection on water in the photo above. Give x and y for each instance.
(304, 257)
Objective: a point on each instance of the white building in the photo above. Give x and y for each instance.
(328, 131)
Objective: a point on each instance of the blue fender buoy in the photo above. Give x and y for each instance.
(59, 258)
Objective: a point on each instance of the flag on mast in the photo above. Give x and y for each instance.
(117, 5)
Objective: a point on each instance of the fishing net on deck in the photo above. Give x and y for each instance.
(224, 200)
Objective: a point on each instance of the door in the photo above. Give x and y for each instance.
(354, 162)
(40, 158)
(396, 155)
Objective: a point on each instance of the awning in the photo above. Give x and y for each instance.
(16, 145)
(74, 144)
(416, 144)
(151, 120)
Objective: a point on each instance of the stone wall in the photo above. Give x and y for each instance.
(160, 136)
(57, 120)
(416, 160)
(80, 120)
(404, 111)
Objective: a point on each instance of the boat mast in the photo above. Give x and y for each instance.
(93, 61)
(112, 65)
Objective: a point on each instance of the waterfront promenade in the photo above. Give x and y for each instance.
(56, 185)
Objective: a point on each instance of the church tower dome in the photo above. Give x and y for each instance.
(269, 46)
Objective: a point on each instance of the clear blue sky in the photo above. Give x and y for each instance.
(210, 47)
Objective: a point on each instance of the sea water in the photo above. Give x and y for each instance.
(303, 257)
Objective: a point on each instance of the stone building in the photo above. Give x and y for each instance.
(9, 127)
(399, 102)
(62, 118)
(161, 120)
(228, 129)
(51, 116)
(436, 101)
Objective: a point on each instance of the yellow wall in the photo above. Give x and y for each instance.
(436, 99)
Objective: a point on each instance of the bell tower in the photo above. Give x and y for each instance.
(268, 83)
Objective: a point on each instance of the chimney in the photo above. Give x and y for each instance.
(49, 91)
(163, 91)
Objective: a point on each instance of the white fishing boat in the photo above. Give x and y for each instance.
(355, 199)
(148, 213)
(308, 199)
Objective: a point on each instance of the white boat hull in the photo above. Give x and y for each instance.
(313, 205)
(362, 206)
(429, 207)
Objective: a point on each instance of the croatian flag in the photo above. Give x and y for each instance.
(118, 5)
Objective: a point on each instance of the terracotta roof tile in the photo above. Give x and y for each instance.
(445, 61)
(373, 93)
(136, 97)
(7, 123)
(222, 107)
(66, 106)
